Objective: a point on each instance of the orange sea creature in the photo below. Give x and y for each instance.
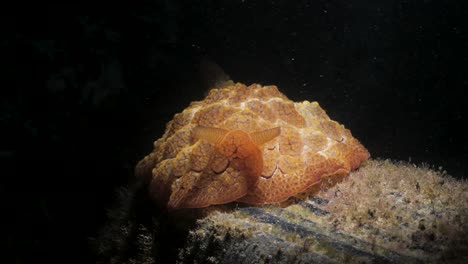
(248, 144)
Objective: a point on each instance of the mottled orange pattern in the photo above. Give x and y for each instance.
(248, 144)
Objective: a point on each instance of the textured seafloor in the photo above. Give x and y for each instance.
(385, 212)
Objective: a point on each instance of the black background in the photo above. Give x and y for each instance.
(82, 97)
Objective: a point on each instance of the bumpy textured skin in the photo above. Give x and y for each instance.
(185, 171)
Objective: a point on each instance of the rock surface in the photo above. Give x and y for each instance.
(384, 212)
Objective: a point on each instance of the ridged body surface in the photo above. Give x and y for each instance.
(187, 171)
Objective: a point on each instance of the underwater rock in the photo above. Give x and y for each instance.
(384, 212)
(249, 144)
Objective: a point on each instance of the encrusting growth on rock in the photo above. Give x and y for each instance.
(384, 212)
(249, 144)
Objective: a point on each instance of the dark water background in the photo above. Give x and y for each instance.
(82, 97)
